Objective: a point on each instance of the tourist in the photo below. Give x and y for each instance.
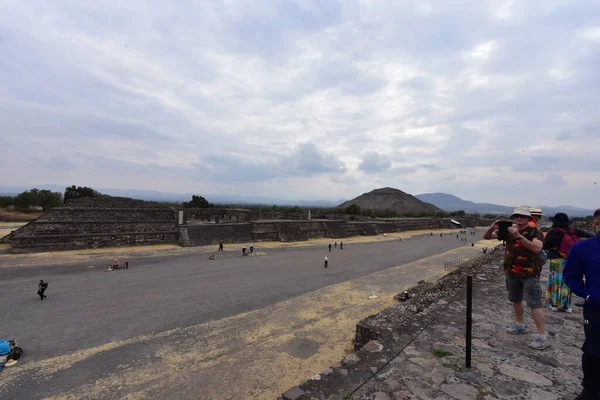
(335, 245)
(220, 246)
(405, 296)
(251, 249)
(326, 261)
(559, 240)
(342, 245)
(243, 250)
(6, 347)
(330, 247)
(521, 265)
(115, 264)
(584, 261)
(127, 263)
(536, 214)
(42, 286)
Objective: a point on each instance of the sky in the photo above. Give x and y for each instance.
(492, 101)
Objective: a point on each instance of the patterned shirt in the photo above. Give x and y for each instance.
(519, 261)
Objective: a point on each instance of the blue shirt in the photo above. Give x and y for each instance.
(4, 347)
(584, 260)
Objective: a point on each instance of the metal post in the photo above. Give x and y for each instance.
(469, 320)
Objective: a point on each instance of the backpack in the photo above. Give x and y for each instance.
(15, 353)
(542, 255)
(569, 239)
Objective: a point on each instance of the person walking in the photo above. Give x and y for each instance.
(127, 263)
(522, 268)
(584, 261)
(244, 250)
(559, 240)
(341, 245)
(335, 245)
(220, 246)
(115, 264)
(326, 261)
(42, 286)
(330, 247)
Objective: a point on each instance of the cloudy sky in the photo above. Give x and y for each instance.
(493, 101)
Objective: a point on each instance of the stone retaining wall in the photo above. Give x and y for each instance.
(207, 234)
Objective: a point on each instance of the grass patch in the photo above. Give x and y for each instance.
(440, 353)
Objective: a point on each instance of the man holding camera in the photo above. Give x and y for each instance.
(522, 268)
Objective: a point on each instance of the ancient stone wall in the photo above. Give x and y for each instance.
(219, 215)
(99, 222)
(213, 233)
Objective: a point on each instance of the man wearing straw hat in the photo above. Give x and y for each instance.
(522, 268)
(536, 214)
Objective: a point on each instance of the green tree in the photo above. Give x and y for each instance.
(352, 209)
(49, 199)
(28, 198)
(198, 202)
(35, 197)
(75, 192)
(6, 201)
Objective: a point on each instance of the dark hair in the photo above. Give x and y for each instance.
(597, 213)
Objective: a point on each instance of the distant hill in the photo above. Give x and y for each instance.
(391, 199)
(449, 202)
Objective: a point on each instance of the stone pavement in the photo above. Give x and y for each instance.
(423, 357)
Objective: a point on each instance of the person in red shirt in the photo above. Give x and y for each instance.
(536, 215)
(522, 268)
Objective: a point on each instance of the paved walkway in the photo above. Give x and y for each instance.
(432, 365)
(148, 332)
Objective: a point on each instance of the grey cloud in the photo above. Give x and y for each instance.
(308, 158)
(58, 162)
(565, 135)
(430, 167)
(305, 160)
(555, 179)
(374, 162)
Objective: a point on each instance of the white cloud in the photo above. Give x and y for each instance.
(338, 97)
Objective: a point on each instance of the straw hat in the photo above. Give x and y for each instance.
(521, 210)
(536, 211)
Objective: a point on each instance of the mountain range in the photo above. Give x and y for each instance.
(449, 202)
(445, 201)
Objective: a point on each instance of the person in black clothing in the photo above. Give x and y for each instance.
(220, 246)
(42, 286)
(561, 224)
(330, 247)
(341, 245)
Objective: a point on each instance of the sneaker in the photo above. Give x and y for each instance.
(540, 343)
(517, 329)
(554, 308)
(568, 310)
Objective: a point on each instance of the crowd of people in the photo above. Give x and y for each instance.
(573, 258)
